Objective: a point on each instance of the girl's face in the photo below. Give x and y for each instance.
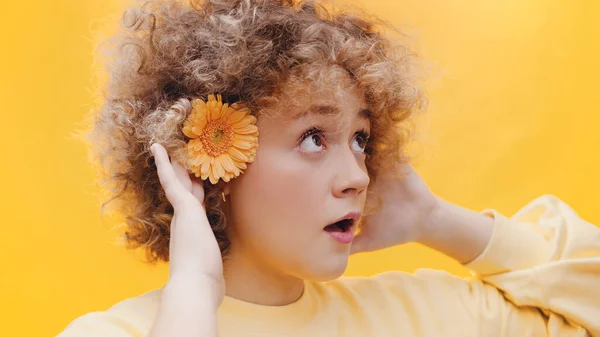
(309, 172)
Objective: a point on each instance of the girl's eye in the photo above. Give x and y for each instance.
(312, 141)
(359, 143)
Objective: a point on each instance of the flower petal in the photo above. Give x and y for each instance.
(196, 145)
(195, 160)
(247, 130)
(213, 108)
(218, 112)
(214, 174)
(193, 146)
(199, 126)
(228, 163)
(218, 169)
(201, 158)
(227, 111)
(247, 138)
(209, 112)
(240, 165)
(205, 167)
(237, 116)
(244, 121)
(251, 157)
(198, 105)
(242, 144)
(237, 154)
(187, 130)
(224, 111)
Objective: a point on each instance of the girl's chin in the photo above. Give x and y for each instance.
(328, 269)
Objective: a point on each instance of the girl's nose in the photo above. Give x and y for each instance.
(352, 177)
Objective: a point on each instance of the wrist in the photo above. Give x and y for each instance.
(432, 222)
(457, 232)
(196, 287)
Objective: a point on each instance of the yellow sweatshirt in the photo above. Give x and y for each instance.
(538, 276)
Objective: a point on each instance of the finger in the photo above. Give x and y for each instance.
(359, 244)
(198, 189)
(406, 169)
(174, 190)
(182, 175)
(191, 183)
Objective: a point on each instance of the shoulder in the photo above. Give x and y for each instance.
(395, 298)
(130, 317)
(392, 285)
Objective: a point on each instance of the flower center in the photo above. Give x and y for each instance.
(217, 137)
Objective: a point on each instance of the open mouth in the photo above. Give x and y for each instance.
(340, 226)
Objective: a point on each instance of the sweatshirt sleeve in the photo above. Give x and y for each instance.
(99, 324)
(539, 275)
(540, 272)
(132, 317)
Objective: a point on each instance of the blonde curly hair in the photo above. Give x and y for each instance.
(168, 52)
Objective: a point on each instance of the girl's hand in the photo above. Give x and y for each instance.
(194, 253)
(408, 205)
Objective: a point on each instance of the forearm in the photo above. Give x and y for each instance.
(188, 307)
(458, 232)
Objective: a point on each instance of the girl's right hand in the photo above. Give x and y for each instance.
(194, 253)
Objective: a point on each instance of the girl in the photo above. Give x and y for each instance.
(277, 151)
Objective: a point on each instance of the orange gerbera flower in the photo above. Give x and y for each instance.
(223, 139)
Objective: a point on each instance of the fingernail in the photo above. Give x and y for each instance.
(152, 149)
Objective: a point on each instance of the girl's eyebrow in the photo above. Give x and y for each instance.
(328, 110)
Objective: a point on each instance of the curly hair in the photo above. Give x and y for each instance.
(167, 52)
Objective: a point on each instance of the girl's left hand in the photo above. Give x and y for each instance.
(408, 205)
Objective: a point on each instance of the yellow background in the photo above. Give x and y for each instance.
(514, 113)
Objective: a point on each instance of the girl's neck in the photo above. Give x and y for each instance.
(249, 279)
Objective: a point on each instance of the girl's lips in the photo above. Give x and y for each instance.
(342, 237)
(354, 216)
(344, 233)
